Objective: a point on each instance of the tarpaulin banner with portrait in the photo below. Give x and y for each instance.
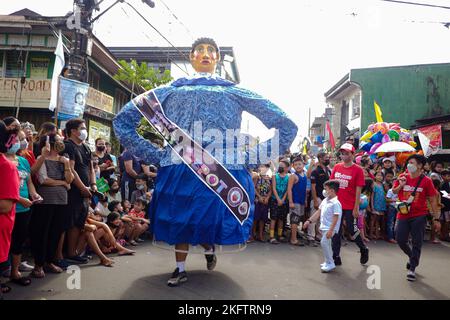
(71, 98)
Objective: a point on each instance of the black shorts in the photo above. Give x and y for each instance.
(278, 212)
(76, 211)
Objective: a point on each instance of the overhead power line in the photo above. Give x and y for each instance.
(417, 4)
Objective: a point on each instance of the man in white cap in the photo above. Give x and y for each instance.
(351, 178)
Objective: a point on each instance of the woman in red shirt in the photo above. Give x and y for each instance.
(414, 188)
(9, 194)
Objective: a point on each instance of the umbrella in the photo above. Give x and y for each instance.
(395, 146)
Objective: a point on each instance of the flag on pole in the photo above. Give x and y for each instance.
(330, 134)
(59, 65)
(378, 112)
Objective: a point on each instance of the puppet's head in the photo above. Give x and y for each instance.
(204, 55)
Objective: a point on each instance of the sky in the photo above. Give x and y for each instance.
(291, 52)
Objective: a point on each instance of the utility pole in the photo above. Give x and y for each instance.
(309, 122)
(81, 26)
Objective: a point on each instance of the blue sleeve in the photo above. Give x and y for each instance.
(125, 125)
(270, 115)
(126, 156)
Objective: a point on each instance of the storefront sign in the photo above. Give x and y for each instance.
(100, 100)
(431, 139)
(98, 130)
(31, 89)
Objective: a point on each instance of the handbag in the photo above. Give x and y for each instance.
(404, 207)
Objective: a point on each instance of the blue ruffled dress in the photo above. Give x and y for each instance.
(183, 209)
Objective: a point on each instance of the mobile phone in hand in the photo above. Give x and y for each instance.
(37, 201)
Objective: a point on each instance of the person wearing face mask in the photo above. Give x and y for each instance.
(49, 219)
(279, 206)
(83, 185)
(24, 150)
(319, 176)
(415, 189)
(351, 178)
(142, 190)
(114, 191)
(9, 196)
(330, 215)
(105, 161)
(23, 211)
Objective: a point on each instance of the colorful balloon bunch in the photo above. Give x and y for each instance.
(382, 132)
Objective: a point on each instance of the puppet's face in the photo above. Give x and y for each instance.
(204, 58)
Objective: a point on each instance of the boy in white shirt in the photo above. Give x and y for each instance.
(330, 214)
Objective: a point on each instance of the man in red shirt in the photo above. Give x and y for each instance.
(9, 195)
(351, 179)
(414, 188)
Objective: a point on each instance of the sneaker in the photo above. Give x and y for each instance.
(139, 240)
(25, 267)
(411, 276)
(337, 261)
(177, 278)
(327, 268)
(364, 256)
(211, 260)
(77, 260)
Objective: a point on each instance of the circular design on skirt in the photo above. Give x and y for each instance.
(212, 180)
(205, 170)
(243, 208)
(235, 196)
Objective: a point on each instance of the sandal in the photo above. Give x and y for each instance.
(298, 244)
(5, 288)
(23, 281)
(274, 241)
(38, 275)
(52, 269)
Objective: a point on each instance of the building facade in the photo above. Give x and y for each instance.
(27, 44)
(413, 96)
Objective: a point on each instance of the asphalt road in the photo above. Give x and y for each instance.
(262, 271)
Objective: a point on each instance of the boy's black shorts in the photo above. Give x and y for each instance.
(278, 212)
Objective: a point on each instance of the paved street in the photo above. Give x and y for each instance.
(262, 271)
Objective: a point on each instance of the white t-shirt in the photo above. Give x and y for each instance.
(328, 209)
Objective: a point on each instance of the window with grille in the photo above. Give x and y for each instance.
(356, 106)
(120, 99)
(14, 64)
(94, 79)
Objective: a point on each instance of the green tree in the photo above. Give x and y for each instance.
(142, 76)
